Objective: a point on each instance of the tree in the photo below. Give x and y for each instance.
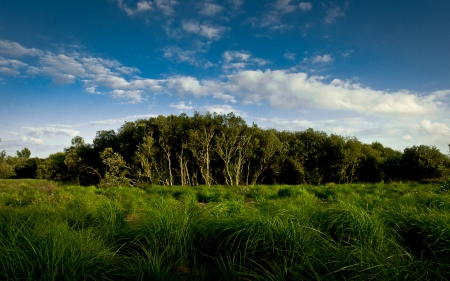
(53, 168)
(24, 154)
(182, 129)
(25, 167)
(116, 169)
(231, 144)
(352, 157)
(145, 164)
(267, 154)
(293, 157)
(423, 162)
(371, 163)
(166, 137)
(6, 170)
(104, 139)
(201, 141)
(316, 160)
(80, 162)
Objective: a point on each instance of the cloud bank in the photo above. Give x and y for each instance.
(403, 114)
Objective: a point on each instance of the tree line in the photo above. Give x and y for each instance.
(222, 149)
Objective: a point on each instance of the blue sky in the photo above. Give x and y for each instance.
(377, 70)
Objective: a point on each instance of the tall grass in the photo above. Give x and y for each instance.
(337, 232)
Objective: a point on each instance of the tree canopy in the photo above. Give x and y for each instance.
(223, 149)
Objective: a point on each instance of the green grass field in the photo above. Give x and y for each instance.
(340, 232)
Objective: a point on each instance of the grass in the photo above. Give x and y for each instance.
(394, 231)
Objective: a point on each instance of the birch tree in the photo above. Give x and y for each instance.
(200, 143)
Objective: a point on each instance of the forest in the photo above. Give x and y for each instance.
(222, 149)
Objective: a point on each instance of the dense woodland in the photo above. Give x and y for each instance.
(222, 149)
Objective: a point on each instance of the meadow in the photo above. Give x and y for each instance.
(53, 231)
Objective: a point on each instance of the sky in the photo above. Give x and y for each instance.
(374, 70)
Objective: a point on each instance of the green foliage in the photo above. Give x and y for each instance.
(200, 143)
(80, 163)
(24, 154)
(445, 185)
(116, 169)
(222, 149)
(267, 154)
(6, 170)
(53, 168)
(146, 168)
(27, 169)
(6, 167)
(279, 232)
(419, 162)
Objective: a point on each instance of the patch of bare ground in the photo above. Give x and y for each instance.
(249, 200)
(201, 205)
(45, 187)
(132, 218)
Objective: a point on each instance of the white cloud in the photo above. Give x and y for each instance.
(240, 60)
(235, 55)
(279, 88)
(435, 128)
(16, 50)
(281, 27)
(49, 131)
(210, 9)
(8, 71)
(407, 138)
(289, 55)
(10, 67)
(190, 85)
(394, 134)
(141, 7)
(272, 18)
(187, 84)
(212, 32)
(62, 79)
(191, 26)
(182, 107)
(180, 55)
(127, 70)
(152, 85)
(322, 59)
(344, 126)
(346, 54)
(284, 6)
(332, 14)
(259, 61)
(111, 122)
(111, 81)
(236, 3)
(134, 96)
(93, 72)
(305, 6)
(92, 89)
(221, 109)
(297, 90)
(166, 6)
(209, 64)
(32, 140)
(225, 97)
